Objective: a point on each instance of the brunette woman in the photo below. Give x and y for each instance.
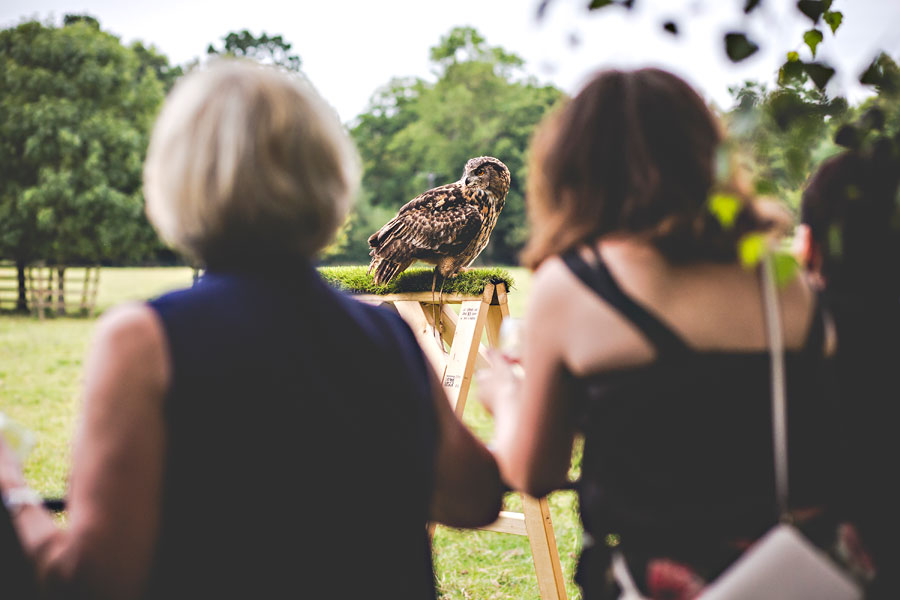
(646, 336)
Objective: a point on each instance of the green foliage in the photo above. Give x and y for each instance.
(416, 279)
(781, 134)
(417, 135)
(726, 208)
(75, 110)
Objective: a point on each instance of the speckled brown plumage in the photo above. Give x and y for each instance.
(447, 226)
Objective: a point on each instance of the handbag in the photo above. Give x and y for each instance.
(783, 564)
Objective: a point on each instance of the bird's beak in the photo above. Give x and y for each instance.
(466, 181)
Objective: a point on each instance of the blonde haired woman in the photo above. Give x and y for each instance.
(259, 434)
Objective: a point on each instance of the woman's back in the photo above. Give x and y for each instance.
(673, 397)
(292, 410)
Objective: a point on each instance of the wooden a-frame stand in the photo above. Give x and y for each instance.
(463, 333)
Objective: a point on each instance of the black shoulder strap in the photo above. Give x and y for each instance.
(599, 279)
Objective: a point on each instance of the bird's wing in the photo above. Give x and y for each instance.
(440, 220)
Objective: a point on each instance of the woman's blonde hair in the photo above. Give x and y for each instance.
(248, 163)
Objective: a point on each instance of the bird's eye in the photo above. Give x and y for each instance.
(479, 171)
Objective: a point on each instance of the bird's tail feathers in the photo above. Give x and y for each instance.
(385, 270)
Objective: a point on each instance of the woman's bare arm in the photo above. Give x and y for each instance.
(533, 427)
(114, 499)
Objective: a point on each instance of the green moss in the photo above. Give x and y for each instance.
(417, 279)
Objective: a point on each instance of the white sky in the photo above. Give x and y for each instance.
(349, 48)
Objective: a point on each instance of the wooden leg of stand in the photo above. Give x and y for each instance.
(418, 320)
(536, 512)
(464, 349)
(543, 548)
(449, 318)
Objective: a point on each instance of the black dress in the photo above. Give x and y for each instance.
(300, 444)
(678, 458)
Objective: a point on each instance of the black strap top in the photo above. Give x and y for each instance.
(666, 342)
(678, 452)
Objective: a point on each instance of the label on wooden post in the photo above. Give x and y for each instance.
(463, 352)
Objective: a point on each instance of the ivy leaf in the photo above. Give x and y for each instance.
(872, 75)
(820, 73)
(812, 9)
(595, 4)
(725, 207)
(751, 249)
(738, 47)
(790, 71)
(834, 18)
(813, 38)
(786, 267)
(542, 9)
(750, 5)
(671, 27)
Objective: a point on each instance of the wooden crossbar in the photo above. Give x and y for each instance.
(463, 333)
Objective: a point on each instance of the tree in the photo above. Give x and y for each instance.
(417, 134)
(76, 107)
(270, 50)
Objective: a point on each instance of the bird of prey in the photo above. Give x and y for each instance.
(447, 226)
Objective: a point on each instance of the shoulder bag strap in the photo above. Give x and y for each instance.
(779, 395)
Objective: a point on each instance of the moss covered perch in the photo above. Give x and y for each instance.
(417, 279)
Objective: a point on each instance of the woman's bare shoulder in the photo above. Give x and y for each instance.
(133, 336)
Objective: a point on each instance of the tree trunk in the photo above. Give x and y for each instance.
(61, 286)
(22, 300)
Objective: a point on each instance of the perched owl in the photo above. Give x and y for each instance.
(447, 226)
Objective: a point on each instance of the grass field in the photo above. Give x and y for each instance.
(40, 371)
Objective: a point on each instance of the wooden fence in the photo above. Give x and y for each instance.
(9, 286)
(46, 292)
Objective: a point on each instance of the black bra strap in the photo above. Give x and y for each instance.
(599, 279)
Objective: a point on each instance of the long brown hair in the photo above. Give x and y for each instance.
(634, 152)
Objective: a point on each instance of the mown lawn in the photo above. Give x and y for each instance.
(40, 372)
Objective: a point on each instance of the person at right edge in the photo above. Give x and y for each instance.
(849, 240)
(645, 335)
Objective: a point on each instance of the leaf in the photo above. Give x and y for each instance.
(595, 4)
(812, 9)
(820, 73)
(751, 249)
(750, 6)
(793, 56)
(786, 267)
(671, 27)
(834, 18)
(738, 47)
(790, 71)
(725, 207)
(542, 9)
(813, 38)
(872, 74)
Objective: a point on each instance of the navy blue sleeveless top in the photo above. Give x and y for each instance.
(300, 443)
(678, 457)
